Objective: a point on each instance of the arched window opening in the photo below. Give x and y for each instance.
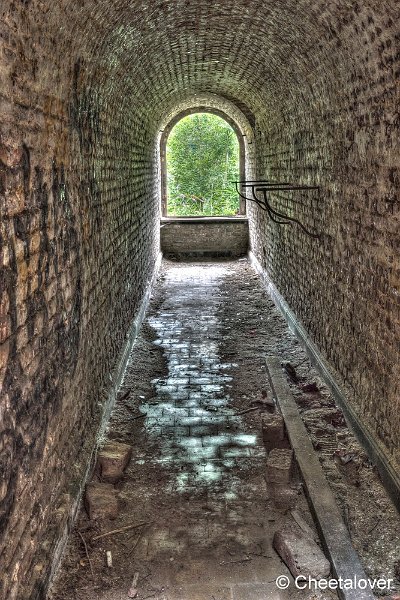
(203, 156)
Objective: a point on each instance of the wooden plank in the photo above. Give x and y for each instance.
(334, 534)
(390, 476)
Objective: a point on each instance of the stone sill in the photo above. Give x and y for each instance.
(197, 219)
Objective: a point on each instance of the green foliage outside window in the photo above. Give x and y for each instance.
(202, 161)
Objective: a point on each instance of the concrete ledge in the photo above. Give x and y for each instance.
(204, 237)
(334, 534)
(390, 476)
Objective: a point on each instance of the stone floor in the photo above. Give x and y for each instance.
(196, 481)
(215, 539)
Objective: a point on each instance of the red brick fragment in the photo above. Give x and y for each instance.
(279, 466)
(112, 460)
(101, 501)
(273, 429)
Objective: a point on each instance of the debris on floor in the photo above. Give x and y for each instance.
(112, 461)
(101, 501)
(300, 552)
(273, 430)
(193, 514)
(279, 466)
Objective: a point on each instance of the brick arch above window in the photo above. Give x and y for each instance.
(227, 110)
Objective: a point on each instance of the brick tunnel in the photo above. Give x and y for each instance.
(87, 89)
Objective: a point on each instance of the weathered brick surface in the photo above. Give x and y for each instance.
(204, 238)
(300, 552)
(112, 461)
(280, 465)
(344, 136)
(273, 430)
(84, 90)
(101, 501)
(78, 241)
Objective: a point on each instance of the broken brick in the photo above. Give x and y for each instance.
(284, 497)
(279, 465)
(101, 501)
(112, 460)
(300, 553)
(273, 429)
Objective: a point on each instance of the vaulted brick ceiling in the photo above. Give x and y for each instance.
(264, 54)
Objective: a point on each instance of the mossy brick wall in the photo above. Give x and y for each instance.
(85, 88)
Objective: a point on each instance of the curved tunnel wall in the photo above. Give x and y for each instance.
(84, 91)
(344, 137)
